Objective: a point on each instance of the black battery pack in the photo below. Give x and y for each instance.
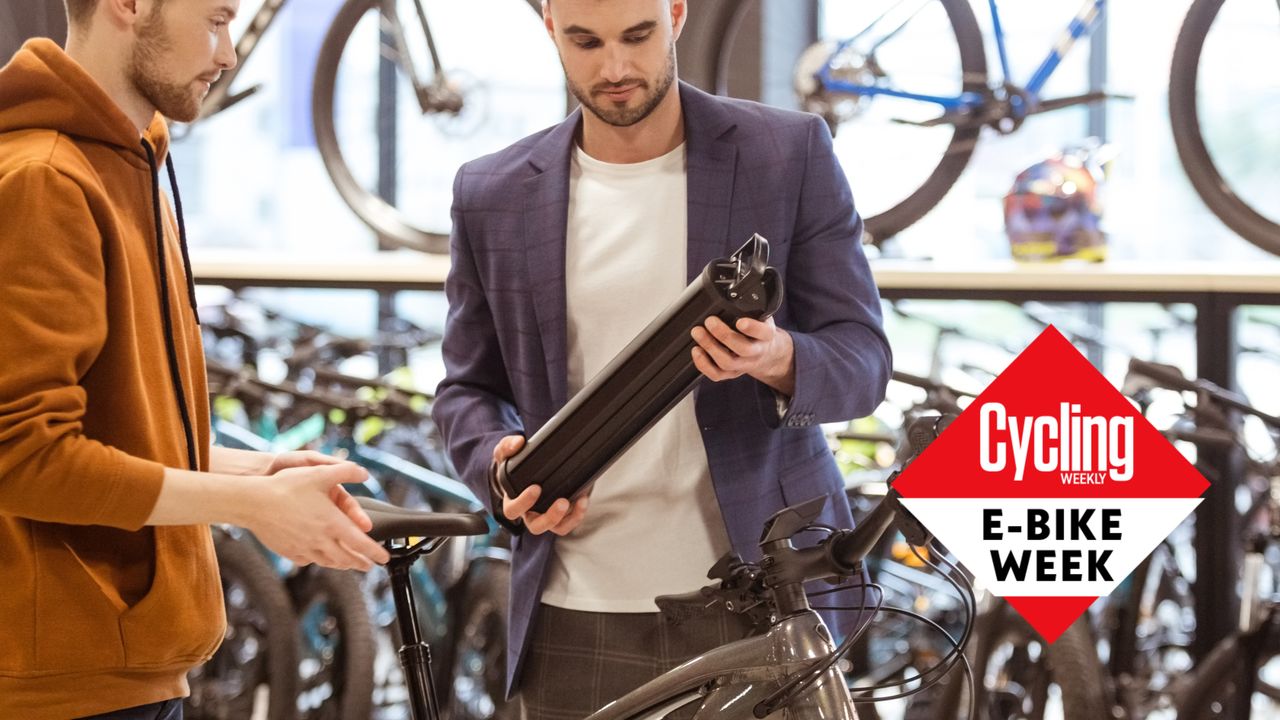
(653, 373)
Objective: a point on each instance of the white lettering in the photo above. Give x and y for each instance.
(984, 437)
(1070, 442)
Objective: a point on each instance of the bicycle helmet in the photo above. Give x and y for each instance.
(1053, 211)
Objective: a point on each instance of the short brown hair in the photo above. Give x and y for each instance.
(79, 11)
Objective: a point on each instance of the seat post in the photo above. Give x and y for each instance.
(415, 655)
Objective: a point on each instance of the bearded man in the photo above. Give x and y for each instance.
(108, 481)
(564, 246)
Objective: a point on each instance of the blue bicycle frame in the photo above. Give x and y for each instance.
(1081, 25)
(433, 607)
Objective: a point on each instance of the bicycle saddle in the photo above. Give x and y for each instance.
(391, 522)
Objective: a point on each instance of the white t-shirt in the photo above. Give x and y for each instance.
(653, 526)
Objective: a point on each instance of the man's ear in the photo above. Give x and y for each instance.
(546, 20)
(122, 14)
(679, 14)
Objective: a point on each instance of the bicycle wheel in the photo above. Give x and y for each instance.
(1223, 103)
(1011, 677)
(1150, 632)
(1081, 676)
(478, 680)
(1014, 670)
(260, 648)
(336, 665)
(405, 197)
(898, 171)
(1212, 690)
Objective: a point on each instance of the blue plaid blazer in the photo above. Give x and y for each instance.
(751, 169)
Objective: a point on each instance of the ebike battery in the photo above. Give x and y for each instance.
(648, 378)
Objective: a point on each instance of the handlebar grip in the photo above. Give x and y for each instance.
(1167, 376)
(1205, 438)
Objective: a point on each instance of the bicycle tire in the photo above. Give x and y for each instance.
(993, 629)
(345, 642)
(379, 215)
(1184, 120)
(1071, 662)
(973, 65)
(1074, 665)
(478, 672)
(241, 564)
(1209, 692)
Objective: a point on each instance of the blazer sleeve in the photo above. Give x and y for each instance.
(842, 357)
(474, 406)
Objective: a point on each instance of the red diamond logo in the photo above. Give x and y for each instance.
(1051, 487)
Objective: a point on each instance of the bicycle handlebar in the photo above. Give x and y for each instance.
(930, 385)
(848, 549)
(1170, 377)
(785, 568)
(1167, 376)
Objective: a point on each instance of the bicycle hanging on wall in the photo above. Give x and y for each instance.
(426, 83)
(910, 85)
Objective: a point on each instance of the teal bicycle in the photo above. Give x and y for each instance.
(461, 595)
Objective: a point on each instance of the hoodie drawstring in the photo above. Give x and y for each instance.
(165, 310)
(182, 235)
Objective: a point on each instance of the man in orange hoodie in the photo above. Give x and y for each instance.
(108, 480)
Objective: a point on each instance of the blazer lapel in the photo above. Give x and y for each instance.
(712, 162)
(711, 168)
(546, 213)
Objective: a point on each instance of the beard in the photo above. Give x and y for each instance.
(626, 116)
(174, 100)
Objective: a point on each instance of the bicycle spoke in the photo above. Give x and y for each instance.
(889, 152)
(895, 32)
(463, 103)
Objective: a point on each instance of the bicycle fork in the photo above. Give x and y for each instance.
(415, 655)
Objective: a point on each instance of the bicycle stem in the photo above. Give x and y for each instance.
(839, 556)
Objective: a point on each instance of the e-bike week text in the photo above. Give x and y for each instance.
(1083, 449)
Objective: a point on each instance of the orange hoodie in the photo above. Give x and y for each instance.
(97, 612)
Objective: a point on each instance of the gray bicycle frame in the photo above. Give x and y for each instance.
(217, 99)
(732, 679)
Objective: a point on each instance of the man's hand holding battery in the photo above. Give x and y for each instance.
(563, 516)
(756, 348)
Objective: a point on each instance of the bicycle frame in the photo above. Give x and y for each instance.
(741, 674)
(220, 97)
(1080, 26)
(728, 681)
